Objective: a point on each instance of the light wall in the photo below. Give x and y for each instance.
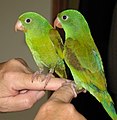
(12, 44)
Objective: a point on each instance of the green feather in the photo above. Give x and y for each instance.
(39, 35)
(82, 57)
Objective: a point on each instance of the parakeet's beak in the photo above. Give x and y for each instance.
(57, 23)
(19, 26)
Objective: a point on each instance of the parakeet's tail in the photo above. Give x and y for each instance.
(108, 105)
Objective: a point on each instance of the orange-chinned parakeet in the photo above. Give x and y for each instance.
(43, 41)
(83, 59)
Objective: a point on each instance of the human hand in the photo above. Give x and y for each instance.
(58, 107)
(17, 91)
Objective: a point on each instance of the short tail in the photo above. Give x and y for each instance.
(108, 105)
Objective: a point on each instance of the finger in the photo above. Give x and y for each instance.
(26, 83)
(16, 65)
(21, 101)
(19, 77)
(64, 94)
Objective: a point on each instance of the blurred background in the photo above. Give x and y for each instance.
(102, 19)
(12, 44)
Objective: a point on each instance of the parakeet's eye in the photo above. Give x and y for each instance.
(64, 17)
(28, 20)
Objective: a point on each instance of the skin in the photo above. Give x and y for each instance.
(60, 99)
(18, 92)
(83, 59)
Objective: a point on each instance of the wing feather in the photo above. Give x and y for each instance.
(85, 63)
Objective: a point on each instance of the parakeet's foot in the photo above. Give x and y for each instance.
(47, 78)
(35, 75)
(74, 88)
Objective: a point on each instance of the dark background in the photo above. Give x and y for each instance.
(101, 17)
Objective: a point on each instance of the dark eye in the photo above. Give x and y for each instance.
(64, 17)
(28, 20)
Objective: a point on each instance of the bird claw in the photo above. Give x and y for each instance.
(74, 88)
(35, 75)
(47, 79)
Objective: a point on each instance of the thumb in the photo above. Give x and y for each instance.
(64, 94)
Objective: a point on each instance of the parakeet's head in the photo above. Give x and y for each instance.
(71, 21)
(31, 21)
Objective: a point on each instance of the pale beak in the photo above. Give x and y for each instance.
(57, 23)
(19, 26)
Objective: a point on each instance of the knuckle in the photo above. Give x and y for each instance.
(21, 61)
(11, 61)
(17, 61)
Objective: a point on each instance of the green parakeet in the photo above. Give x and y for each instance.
(43, 41)
(83, 59)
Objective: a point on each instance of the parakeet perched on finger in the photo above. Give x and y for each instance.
(43, 41)
(83, 59)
